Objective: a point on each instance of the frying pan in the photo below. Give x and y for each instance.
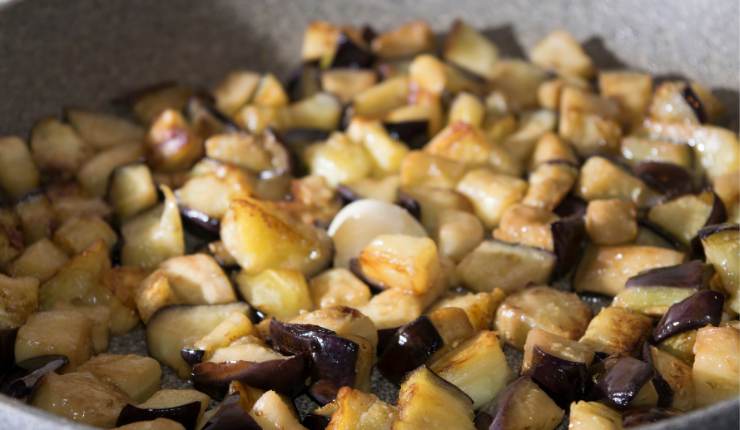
(55, 54)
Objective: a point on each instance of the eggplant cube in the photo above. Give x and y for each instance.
(156, 424)
(556, 346)
(19, 299)
(676, 374)
(40, 260)
(385, 151)
(132, 190)
(338, 287)
(558, 312)
(684, 216)
(81, 397)
(478, 367)
(339, 160)
(616, 331)
(66, 332)
(528, 226)
(235, 90)
(277, 292)
(631, 90)
(422, 168)
(593, 416)
(357, 410)
(95, 173)
(611, 222)
(404, 262)
(549, 183)
(137, 376)
(76, 234)
(171, 143)
(523, 405)
(495, 264)
(559, 51)
(57, 147)
(393, 308)
(427, 401)
(721, 247)
(18, 172)
(273, 412)
(716, 370)
(602, 179)
(197, 279)
(458, 233)
(491, 193)
(479, 307)
(469, 49)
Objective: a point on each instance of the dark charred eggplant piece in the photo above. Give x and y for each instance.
(351, 55)
(410, 347)
(524, 405)
(411, 205)
(563, 380)
(333, 358)
(623, 379)
(304, 82)
(568, 236)
(669, 179)
(285, 376)
(200, 224)
(413, 133)
(692, 99)
(186, 414)
(20, 383)
(7, 349)
(231, 416)
(700, 309)
(692, 274)
(571, 206)
(483, 420)
(192, 356)
(638, 417)
(315, 422)
(385, 335)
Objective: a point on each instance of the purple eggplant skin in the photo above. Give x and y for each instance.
(7, 348)
(192, 356)
(199, 223)
(409, 203)
(717, 216)
(231, 416)
(664, 390)
(410, 347)
(692, 274)
(332, 358)
(571, 206)
(568, 237)
(638, 417)
(563, 380)
(350, 55)
(286, 376)
(483, 420)
(186, 414)
(668, 179)
(413, 134)
(717, 228)
(315, 422)
(692, 99)
(510, 395)
(202, 113)
(623, 379)
(701, 308)
(347, 194)
(21, 382)
(385, 335)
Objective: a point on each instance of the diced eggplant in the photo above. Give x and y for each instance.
(41, 335)
(36, 216)
(458, 232)
(27, 374)
(721, 244)
(491, 194)
(206, 119)
(304, 81)
(78, 233)
(466, 108)
(362, 411)
(556, 346)
(617, 331)
(338, 159)
(183, 406)
(666, 178)
(171, 142)
(684, 216)
(286, 376)
(333, 358)
(411, 38)
(392, 308)
(410, 347)
(518, 80)
(273, 412)
(81, 397)
(435, 201)
(700, 309)
(632, 91)
(549, 183)
(413, 133)
(155, 424)
(174, 327)
(99, 316)
(602, 179)
(680, 346)
(280, 293)
(558, 312)
(560, 52)
(526, 225)
(385, 189)
(381, 98)
(131, 190)
(466, 47)
(421, 390)
(477, 366)
(652, 301)
(662, 153)
(428, 73)
(346, 83)
(422, 168)
(549, 148)
(147, 103)
(338, 287)
(7, 349)
(198, 280)
(643, 416)
(321, 111)
(235, 90)
(593, 416)
(351, 52)
(57, 147)
(18, 172)
(358, 223)
(563, 380)
(19, 299)
(611, 221)
(136, 376)
(495, 264)
(231, 415)
(155, 235)
(675, 375)
(344, 321)
(716, 368)
(622, 381)
(385, 152)
(93, 175)
(605, 269)
(463, 142)
(523, 405)
(676, 101)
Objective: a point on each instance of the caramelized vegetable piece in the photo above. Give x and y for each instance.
(560, 52)
(616, 331)
(136, 376)
(716, 366)
(405, 40)
(361, 411)
(684, 216)
(421, 390)
(131, 190)
(280, 293)
(410, 347)
(491, 194)
(338, 287)
(720, 244)
(171, 143)
(611, 222)
(235, 90)
(198, 280)
(523, 405)
(393, 308)
(700, 309)
(40, 260)
(94, 174)
(458, 233)
(495, 264)
(422, 168)
(549, 183)
(466, 47)
(77, 234)
(593, 416)
(260, 237)
(555, 346)
(184, 406)
(602, 179)
(631, 90)
(477, 366)
(398, 261)
(18, 172)
(542, 307)
(40, 335)
(19, 299)
(36, 216)
(57, 147)
(382, 97)
(272, 412)
(81, 397)
(622, 381)
(676, 374)
(346, 83)
(605, 269)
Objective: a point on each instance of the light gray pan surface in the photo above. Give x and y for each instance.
(84, 53)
